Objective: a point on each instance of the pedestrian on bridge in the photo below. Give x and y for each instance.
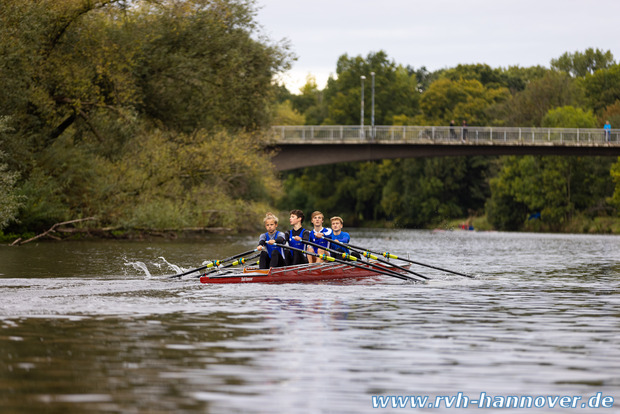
(607, 129)
(464, 131)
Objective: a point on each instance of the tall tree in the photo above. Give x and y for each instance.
(86, 81)
(396, 90)
(602, 88)
(615, 175)
(529, 106)
(462, 99)
(580, 64)
(569, 117)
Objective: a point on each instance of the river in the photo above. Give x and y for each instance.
(97, 327)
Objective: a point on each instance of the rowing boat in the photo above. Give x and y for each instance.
(299, 273)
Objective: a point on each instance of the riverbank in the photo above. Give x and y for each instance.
(577, 225)
(115, 234)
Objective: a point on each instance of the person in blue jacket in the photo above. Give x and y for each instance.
(271, 255)
(319, 235)
(607, 129)
(295, 237)
(340, 236)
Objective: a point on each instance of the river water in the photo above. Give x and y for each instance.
(97, 327)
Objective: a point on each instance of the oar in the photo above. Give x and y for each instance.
(213, 263)
(385, 272)
(235, 263)
(392, 256)
(370, 256)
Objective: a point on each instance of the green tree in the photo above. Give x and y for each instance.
(460, 99)
(396, 90)
(429, 191)
(556, 187)
(579, 64)
(487, 76)
(615, 175)
(285, 114)
(91, 86)
(602, 88)
(10, 201)
(529, 106)
(311, 103)
(350, 190)
(611, 114)
(569, 117)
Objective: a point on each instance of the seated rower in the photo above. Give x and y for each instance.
(340, 236)
(319, 235)
(294, 238)
(271, 255)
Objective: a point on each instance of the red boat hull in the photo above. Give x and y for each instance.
(298, 274)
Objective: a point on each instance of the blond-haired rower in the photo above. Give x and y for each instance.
(340, 236)
(271, 255)
(319, 235)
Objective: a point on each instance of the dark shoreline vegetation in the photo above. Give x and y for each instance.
(153, 117)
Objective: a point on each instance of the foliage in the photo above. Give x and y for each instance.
(431, 192)
(411, 193)
(396, 91)
(144, 113)
(352, 191)
(461, 99)
(611, 114)
(529, 106)
(602, 88)
(579, 64)
(569, 117)
(202, 179)
(513, 79)
(150, 114)
(554, 187)
(285, 114)
(9, 202)
(615, 175)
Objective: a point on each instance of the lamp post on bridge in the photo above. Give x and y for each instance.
(372, 117)
(362, 109)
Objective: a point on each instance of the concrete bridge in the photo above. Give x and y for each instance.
(307, 146)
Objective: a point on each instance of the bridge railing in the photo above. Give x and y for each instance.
(444, 134)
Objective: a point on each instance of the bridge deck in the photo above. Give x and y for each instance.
(306, 146)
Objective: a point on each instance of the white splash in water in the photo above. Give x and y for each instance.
(177, 269)
(140, 266)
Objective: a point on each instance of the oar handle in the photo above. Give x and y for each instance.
(242, 260)
(345, 256)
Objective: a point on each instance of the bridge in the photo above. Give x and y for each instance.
(307, 146)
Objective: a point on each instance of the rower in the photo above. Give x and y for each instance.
(341, 236)
(294, 239)
(319, 235)
(270, 255)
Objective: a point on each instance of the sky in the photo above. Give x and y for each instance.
(437, 34)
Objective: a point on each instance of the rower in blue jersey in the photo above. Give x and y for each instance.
(295, 237)
(318, 235)
(340, 236)
(271, 255)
